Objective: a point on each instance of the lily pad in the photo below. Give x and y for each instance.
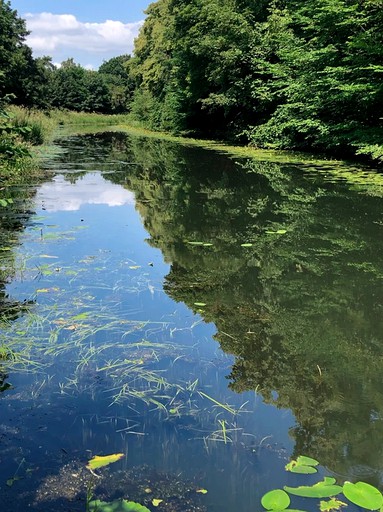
(364, 495)
(275, 500)
(303, 465)
(116, 506)
(323, 489)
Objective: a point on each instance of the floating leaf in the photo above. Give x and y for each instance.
(278, 232)
(155, 502)
(246, 245)
(99, 461)
(303, 465)
(201, 304)
(364, 495)
(333, 504)
(202, 491)
(116, 506)
(275, 500)
(324, 489)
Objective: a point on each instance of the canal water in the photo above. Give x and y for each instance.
(209, 317)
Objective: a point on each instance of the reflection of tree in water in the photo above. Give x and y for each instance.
(300, 310)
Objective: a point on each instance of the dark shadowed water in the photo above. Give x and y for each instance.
(208, 317)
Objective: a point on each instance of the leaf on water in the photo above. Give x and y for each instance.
(99, 461)
(155, 502)
(308, 461)
(47, 290)
(364, 495)
(116, 506)
(303, 465)
(324, 489)
(275, 500)
(246, 245)
(202, 491)
(278, 232)
(333, 504)
(201, 304)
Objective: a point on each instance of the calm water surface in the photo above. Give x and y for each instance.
(209, 317)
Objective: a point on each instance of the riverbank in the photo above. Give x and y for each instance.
(29, 136)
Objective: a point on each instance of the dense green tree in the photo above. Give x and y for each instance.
(76, 88)
(17, 65)
(283, 73)
(117, 75)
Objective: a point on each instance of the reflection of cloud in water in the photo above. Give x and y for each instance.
(61, 195)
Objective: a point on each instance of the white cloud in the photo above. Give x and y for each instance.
(64, 33)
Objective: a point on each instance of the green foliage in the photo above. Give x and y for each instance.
(116, 506)
(291, 75)
(304, 465)
(323, 489)
(275, 500)
(363, 495)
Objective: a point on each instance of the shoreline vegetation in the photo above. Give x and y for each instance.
(30, 134)
(266, 75)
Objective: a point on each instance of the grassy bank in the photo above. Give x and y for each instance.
(24, 133)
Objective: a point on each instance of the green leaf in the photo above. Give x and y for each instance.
(246, 245)
(308, 461)
(333, 504)
(303, 465)
(303, 470)
(201, 304)
(275, 500)
(324, 489)
(364, 495)
(116, 506)
(196, 243)
(98, 461)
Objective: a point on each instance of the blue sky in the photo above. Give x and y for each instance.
(90, 31)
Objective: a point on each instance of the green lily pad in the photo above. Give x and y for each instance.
(275, 500)
(308, 461)
(116, 506)
(303, 465)
(364, 495)
(324, 489)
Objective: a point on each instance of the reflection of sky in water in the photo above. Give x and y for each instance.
(61, 195)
